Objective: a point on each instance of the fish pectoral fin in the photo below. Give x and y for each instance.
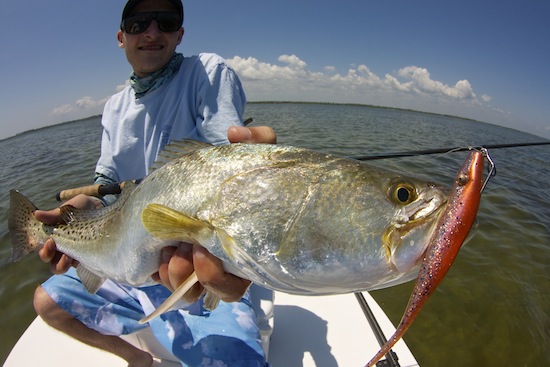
(166, 223)
(174, 297)
(91, 281)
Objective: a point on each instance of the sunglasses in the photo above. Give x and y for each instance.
(138, 23)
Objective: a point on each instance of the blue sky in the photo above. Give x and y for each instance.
(482, 59)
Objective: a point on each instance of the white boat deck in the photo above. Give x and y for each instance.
(326, 331)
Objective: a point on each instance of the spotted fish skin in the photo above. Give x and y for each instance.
(288, 218)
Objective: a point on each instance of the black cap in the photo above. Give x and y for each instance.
(131, 4)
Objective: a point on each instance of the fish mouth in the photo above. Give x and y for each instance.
(406, 240)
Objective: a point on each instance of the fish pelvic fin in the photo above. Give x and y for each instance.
(90, 280)
(166, 223)
(26, 232)
(174, 297)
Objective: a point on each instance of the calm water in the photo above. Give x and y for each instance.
(493, 308)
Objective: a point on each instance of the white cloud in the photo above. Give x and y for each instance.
(61, 110)
(409, 87)
(291, 79)
(253, 69)
(421, 82)
(122, 86)
(485, 98)
(82, 107)
(293, 61)
(89, 102)
(85, 106)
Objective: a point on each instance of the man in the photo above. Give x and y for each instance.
(170, 97)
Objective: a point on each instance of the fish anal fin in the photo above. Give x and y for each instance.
(90, 280)
(174, 297)
(210, 301)
(166, 223)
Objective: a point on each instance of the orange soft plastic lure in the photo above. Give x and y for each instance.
(449, 235)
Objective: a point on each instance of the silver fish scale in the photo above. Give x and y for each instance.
(288, 218)
(303, 221)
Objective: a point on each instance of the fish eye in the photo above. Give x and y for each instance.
(402, 193)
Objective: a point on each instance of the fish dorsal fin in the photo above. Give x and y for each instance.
(91, 281)
(69, 213)
(128, 187)
(176, 149)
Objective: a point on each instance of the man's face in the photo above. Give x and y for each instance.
(149, 51)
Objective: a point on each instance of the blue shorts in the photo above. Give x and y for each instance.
(227, 336)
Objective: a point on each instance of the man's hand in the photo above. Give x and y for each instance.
(178, 263)
(60, 263)
(252, 135)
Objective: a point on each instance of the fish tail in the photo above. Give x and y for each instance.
(23, 226)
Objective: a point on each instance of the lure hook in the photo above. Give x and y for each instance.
(491, 169)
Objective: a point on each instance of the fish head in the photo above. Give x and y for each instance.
(417, 207)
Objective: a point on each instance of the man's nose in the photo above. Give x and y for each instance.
(153, 28)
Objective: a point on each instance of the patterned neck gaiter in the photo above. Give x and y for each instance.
(147, 84)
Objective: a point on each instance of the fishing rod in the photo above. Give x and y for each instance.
(391, 356)
(116, 188)
(413, 153)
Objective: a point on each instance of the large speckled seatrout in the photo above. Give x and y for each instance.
(291, 219)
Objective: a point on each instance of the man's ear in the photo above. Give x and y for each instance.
(181, 33)
(120, 38)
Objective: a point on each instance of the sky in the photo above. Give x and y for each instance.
(486, 60)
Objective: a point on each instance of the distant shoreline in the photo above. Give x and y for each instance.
(293, 102)
(366, 105)
(50, 126)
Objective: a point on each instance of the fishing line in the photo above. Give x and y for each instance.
(415, 153)
(445, 151)
(115, 188)
(511, 181)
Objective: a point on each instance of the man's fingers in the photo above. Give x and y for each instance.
(48, 251)
(61, 263)
(49, 217)
(209, 269)
(255, 134)
(180, 268)
(54, 217)
(162, 276)
(175, 267)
